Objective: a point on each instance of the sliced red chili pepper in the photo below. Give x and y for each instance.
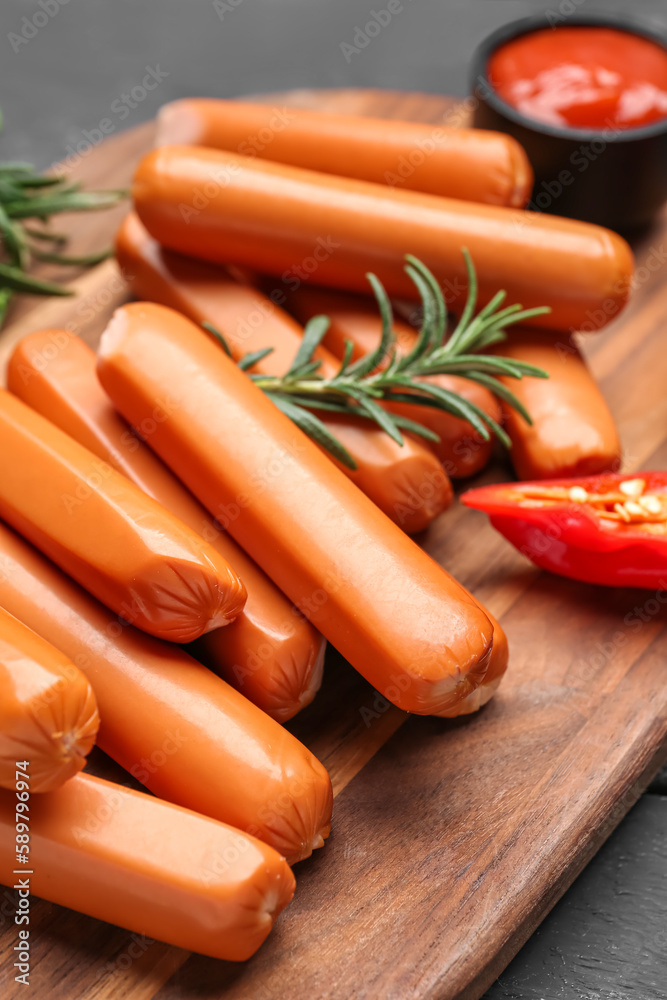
(608, 529)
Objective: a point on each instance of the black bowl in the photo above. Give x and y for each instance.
(616, 178)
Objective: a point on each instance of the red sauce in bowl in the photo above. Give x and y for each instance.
(583, 77)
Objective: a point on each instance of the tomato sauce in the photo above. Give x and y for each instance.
(583, 77)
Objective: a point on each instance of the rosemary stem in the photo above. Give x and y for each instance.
(383, 375)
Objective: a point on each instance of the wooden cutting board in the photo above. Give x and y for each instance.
(451, 839)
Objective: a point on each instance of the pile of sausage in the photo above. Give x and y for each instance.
(153, 496)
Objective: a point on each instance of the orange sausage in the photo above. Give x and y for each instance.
(407, 483)
(121, 545)
(401, 620)
(471, 164)
(149, 866)
(355, 318)
(573, 433)
(176, 727)
(310, 227)
(48, 712)
(270, 653)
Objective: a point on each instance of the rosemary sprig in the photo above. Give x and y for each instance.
(26, 194)
(359, 387)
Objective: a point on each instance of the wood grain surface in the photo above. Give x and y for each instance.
(607, 937)
(451, 839)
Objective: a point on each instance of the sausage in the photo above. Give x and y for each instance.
(177, 728)
(48, 712)
(573, 433)
(121, 545)
(400, 620)
(149, 866)
(461, 450)
(355, 318)
(407, 482)
(471, 164)
(498, 663)
(311, 227)
(270, 653)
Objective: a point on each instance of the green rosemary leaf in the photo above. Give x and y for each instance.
(38, 181)
(479, 326)
(310, 369)
(518, 316)
(427, 332)
(414, 398)
(488, 337)
(371, 361)
(493, 305)
(471, 300)
(248, 360)
(313, 335)
(474, 414)
(527, 369)
(9, 191)
(314, 428)
(470, 336)
(485, 362)
(13, 240)
(438, 299)
(15, 167)
(85, 261)
(316, 402)
(18, 281)
(347, 358)
(41, 234)
(219, 337)
(393, 362)
(398, 378)
(63, 187)
(5, 301)
(481, 362)
(76, 201)
(416, 428)
(499, 432)
(363, 389)
(457, 405)
(382, 417)
(500, 390)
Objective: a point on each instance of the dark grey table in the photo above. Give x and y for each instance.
(67, 64)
